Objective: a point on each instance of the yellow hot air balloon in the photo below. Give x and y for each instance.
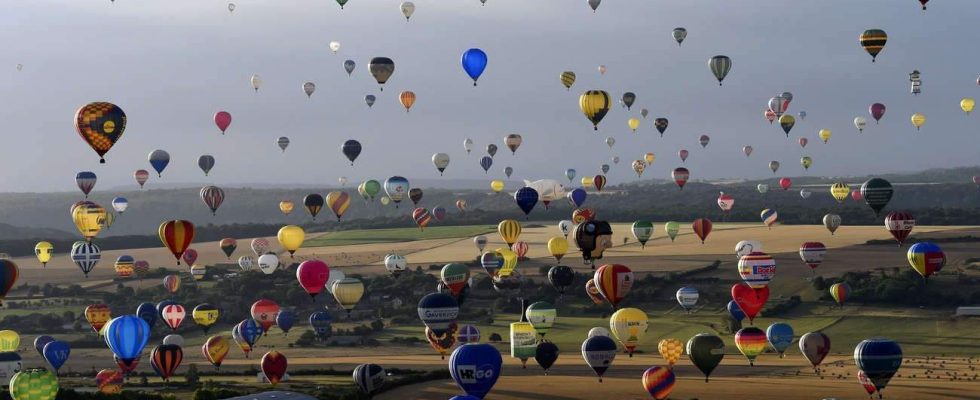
(824, 135)
(205, 315)
(43, 251)
(348, 293)
(509, 230)
(628, 326)
(840, 191)
(291, 238)
(199, 271)
(558, 246)
(286, 207)
(407, 99)
(586, 181)
(649, 158)
(89, 219)
(967, 104)
(338, 202)
(9, 341)
(510, 262)
(806, 162)
(918, 120)
(496, 185)
(594, 104)
(671, 350)
(633, 123)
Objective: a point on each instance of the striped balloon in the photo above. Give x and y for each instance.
(338, 202)
(873, 41)
(687, 297)
(595, 105)
(34, 384)
(877, 193)
(126, 336)
(567, 79)
(659, 382)
(926, 258)
(124, 266)
(85, 181)
(421, 217)
(751, 342)
(769, 217)
(86, 255)
(702, 228)
(520, 247)
(840, 291)
(720, 65)
(757, 269)
(165, 360)
(369, 377)
(171, 283)
(880, 359)
(173, 315)
(900, 224)
(613, 281)
(177, 235)
(812, 253)
(212, 196)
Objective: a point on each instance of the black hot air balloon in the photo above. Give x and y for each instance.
(351, 149)
(877, 193)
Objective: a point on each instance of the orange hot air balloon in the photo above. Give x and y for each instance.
(702, 227)
(98, 315)
(407, 98)
(100, 124)
(215, 350)
(177, 235)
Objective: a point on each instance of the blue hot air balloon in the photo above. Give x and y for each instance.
(526, 198)
(250, 331)
(736, 311)
(438, 311)
(159, 160)
(56, 353)
(285, 320)
(321, 321)
(577, 197)
(879, 358)
(780, 336)
(147, 312)
(39, 343)
(127, 336)
(475, 368)
(474, 62)
(486, 162)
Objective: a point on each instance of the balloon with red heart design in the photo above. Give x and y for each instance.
(750, 300)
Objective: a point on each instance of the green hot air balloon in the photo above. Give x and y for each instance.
(542, 317)
(642, 230)
(672, 227)
(720, 65)
(370, 189)
(34, 384)
(877, 193)
(706, 351)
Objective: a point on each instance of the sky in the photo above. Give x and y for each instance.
(171, 64)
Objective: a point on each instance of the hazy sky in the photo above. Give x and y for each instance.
(171, 64)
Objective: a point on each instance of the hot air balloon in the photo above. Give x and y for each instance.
(900, 224)
(593, 292)
(369, 100)
(720, 65)
(785, 183)
(687, 297)
(474, 62)
(679, 35)
(475, 368)
(126, 336)
(567, 79)
(381, 69)
(599, 353)
(787, 122)
(602, 68)
(751, 342)
(831, 222)
(840, 291)
(141, 177)
(860, 122)
(407, 98)
(176, 235)
(705, 351)
(840, 191)
(735, 311)
(806, 162)
(348, 293)
(395, 264)
(757, 269)
(680, 175)
(560, 277)
(369, 378)
(173, 315)
(212, 196)
(85, 181)
(89, 219)
(671, 350)
(642, 230)
(780, 337)
(614, 281)
(746, 247)
(682, 154)
(672, 228)
(918, 120)
(593, 238)
(747, 150)
(97, 316)
(814, 346)
(422, 217)
(877, 193)
(769, 217)
(926, 258)
(274, 366)
(541, 315)
(661, 125)
(526, 199)
(594, 104)
(812, 253)
(750, 300)
(100, 124)
(109, 381)
(628, 325)
(877, 111)
(879, 359)
(967, 104)
(159, 159)
(702, 228)
(873, 41)
(86, 255)
(34, 384)
(312, 275)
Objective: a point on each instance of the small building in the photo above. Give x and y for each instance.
(968, 311)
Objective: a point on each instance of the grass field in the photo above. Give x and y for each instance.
(370, 236)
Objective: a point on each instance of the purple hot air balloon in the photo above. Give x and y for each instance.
(877, 111)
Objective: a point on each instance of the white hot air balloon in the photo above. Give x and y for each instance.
(335, 46)
(268, 263)
(408, 8)
(441, 161)
(256, 81)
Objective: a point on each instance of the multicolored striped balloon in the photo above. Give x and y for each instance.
(840, 291)
(757, 269)
(659, 382)
(751, 342)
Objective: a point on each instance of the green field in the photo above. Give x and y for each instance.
(369, 236)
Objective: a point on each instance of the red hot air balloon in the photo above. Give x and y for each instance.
(222, 119)
(683, 155)
(856, 195)
(877, 111)
(599, 181)
(803, 141)
(749, 299)
(785, 183)
(171, 283)
(680, 176)
(312, 276)
(613, 281)
(264, 312)
(900, 224)
(141, 176)
(421, 217)
(702, 227)
(274, 366)
(177, 235)
(173, 315)
(189, 256)
(520, 247)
